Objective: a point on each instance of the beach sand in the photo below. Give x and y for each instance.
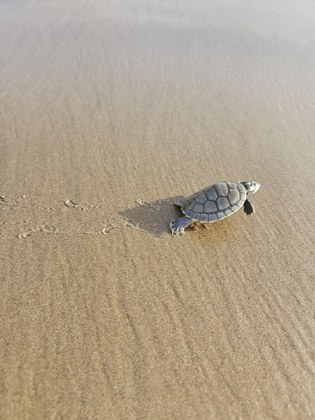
(110, 110)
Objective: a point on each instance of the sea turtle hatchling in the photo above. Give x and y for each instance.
(214, 203)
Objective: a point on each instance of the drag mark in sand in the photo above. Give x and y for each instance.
(68, 217)
(71, 204)
(146, 217)
(44, 228)
(6, 203)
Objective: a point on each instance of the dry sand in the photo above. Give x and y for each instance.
(104, 315)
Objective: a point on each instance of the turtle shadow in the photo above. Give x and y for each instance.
(153, 217)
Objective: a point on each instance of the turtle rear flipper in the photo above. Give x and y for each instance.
(179, 225)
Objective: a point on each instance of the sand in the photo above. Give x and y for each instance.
(109, 110)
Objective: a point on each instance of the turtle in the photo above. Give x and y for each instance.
(214, 203)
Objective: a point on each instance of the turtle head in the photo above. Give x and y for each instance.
(250, 186)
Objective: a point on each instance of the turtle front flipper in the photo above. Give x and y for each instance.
(248, 207)
(178, 226)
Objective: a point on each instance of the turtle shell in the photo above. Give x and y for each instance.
(215, 202)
